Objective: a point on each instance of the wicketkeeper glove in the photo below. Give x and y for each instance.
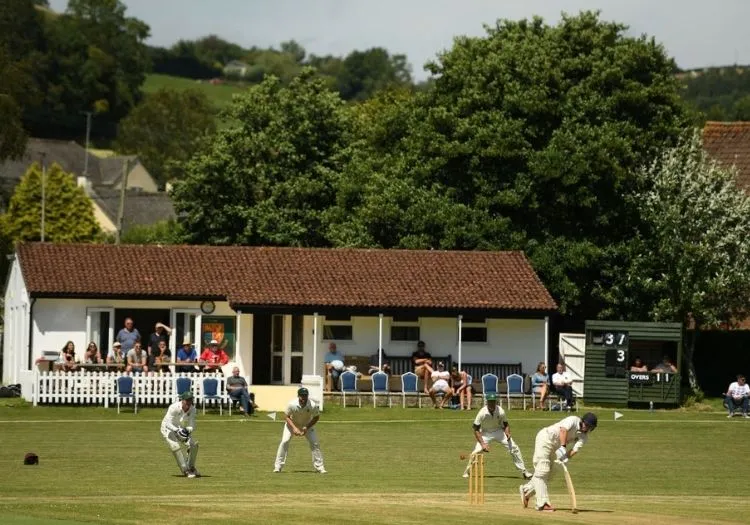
(562, 454)
(183, 434)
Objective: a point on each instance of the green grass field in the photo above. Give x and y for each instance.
(220, 95)
(389, 466)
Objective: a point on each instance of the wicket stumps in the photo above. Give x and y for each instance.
(476, 479)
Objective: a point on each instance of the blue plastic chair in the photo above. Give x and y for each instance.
(211, 393)
(489, 385)
(409, 387)
(182, 385)
(515, 389)
(380, 387)
(125, 390)
(348, 384)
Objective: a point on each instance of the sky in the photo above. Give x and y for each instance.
(696, 33)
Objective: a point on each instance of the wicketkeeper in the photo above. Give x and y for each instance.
(492, 425)
(551, 445)
(177, 428)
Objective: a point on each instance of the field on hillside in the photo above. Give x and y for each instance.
(220, 95)
(389, 466)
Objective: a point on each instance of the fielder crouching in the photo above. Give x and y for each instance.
(177, 428)
(551, 445)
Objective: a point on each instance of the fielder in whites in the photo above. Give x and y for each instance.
(177, 428)
(492, 425)
(301, 416)
(552, 445)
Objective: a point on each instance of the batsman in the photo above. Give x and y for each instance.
(552, 445)
(491, 425)
(177, 428)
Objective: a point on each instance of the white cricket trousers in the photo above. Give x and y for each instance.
(312, 439)
(544, 455)
(500, 437)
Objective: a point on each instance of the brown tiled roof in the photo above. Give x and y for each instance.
(729, 144)
(301, 277)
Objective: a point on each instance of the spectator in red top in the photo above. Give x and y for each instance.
(214, 356)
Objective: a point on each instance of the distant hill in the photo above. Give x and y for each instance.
(219, 94)
(719, 93)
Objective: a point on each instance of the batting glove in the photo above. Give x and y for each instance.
(183, 434)
(562, 454)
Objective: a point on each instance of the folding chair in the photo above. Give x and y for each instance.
(125, 390)
(409, 387)
(515, 389)
(380, 387)
(182, 385)
(489, 385)
(211, 392)
(348, 385)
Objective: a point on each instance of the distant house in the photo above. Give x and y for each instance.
(729, 144)
(101, 178)
(236, 68)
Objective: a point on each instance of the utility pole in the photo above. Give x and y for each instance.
(88, 135)
(44, 200)
(121, 210)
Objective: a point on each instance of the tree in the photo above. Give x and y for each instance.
(162, 232)
(69, 212)
(691, 261)
(540, 129)
(365, 72)
(166, 129)
(270, 177)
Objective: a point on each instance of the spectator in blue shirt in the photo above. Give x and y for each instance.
(186, 354)
(128, 336)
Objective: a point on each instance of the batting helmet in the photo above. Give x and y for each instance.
(30, 459)
(303, 392)
(590, 419)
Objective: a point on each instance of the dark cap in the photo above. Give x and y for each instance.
(590, 419)
(187, 395)
(303, 392)
(30, 459)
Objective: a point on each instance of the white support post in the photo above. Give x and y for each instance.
(546, 341)
(460, 356)
(380, 342)
(315, 344)
(238, 331)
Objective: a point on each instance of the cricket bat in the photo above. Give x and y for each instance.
(571, 489)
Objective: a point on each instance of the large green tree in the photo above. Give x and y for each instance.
(363, 73)
(690, 261)
(166, 129)
(68, 211)
(270, 177)
(97, 61)
(538, 129)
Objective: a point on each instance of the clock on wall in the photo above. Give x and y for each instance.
(208, 307)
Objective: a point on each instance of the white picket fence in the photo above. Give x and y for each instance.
(100, 388)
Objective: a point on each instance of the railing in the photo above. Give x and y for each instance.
(100, 388)
(501, 370)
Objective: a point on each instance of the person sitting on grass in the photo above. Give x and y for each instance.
(238, 391)
(737, 395)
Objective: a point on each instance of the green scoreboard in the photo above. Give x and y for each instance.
(609, 353)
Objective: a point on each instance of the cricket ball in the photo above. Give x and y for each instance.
(463, 456)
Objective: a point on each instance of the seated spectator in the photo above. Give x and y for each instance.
(375, 363)
(92, 355)
(540, 383)
(68, 357)
(137, 359)
(666, 366)
(638, 366)
(214, 357)
(422, 361)
(161, 358)
(186, 354)
(563, 385)
(461, 385)
(737, 395)
(334, 363)
(440, 384)
(238, 391)
(116, 356)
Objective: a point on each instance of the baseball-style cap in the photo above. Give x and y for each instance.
(491, 397)
(303, 392)
(187, 395)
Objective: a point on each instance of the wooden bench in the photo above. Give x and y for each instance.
(402, 364)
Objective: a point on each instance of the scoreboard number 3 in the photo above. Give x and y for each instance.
(615, 339)
(621, 356)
